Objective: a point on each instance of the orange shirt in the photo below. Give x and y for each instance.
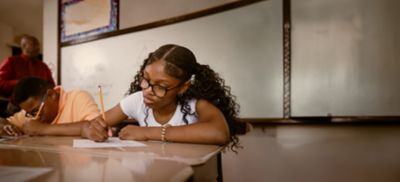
(74, 106)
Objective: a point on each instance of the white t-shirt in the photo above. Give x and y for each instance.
(133, 106)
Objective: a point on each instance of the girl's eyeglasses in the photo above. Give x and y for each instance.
(157, 90)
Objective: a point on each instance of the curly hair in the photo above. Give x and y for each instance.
(205, 84)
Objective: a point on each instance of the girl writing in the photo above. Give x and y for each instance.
(175, 99)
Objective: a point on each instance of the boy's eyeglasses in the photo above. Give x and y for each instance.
(34, 114)
(157, 90)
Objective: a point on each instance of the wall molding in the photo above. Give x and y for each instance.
(337, 120)
(286, 59)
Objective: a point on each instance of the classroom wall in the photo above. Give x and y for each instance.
(25, 17)
(6, 38)
(243, 45)
(50, 51)
(345, 58)
(135, 12)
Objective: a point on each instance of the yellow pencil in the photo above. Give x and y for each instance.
(102, 109)
(102, 103)
(40, 110)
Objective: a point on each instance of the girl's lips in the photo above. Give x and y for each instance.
(148, 100)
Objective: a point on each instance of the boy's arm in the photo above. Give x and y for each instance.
(34, 127)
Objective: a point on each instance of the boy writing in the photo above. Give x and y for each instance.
(49, 110)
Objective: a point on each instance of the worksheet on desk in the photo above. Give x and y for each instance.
(110, 142)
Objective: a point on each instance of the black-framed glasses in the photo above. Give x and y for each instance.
(157, 90)
(35, 112)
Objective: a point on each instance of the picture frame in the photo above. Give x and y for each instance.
(82, 20)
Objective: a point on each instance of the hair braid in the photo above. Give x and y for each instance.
(208, 85)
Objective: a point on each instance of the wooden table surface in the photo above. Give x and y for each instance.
(157, 161)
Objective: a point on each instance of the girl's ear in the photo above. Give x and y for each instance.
(185, 86)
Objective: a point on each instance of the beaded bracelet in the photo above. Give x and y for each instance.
(164, 131)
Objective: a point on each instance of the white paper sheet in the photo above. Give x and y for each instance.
(14, 173)
(110, 142)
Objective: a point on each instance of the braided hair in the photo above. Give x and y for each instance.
(205, 84)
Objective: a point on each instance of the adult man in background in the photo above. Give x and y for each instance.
(14, 68)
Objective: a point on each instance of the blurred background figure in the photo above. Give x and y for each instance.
(13, 68)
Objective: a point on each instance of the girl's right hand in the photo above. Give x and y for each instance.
(95, 129)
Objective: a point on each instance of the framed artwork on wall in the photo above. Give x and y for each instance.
(82, 20)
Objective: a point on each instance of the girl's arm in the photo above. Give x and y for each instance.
(211, 128)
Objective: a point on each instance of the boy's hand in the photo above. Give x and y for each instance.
(12, 130)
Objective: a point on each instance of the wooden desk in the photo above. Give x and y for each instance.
(77, 166)
(203, 158)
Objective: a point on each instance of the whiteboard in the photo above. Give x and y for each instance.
(345, 59)
(244, 45)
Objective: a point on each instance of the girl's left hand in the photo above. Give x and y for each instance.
(133, 132)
